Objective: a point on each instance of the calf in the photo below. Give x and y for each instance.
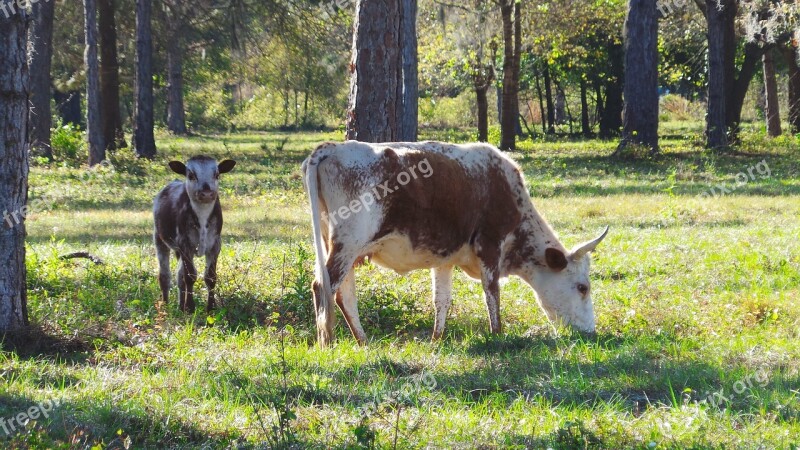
(430, 205)
(188, 220)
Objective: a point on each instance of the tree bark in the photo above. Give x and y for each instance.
(94, 130)
(113, 134)
(753, 54)
(176, 115)
(410, 83)
(611, 117)
(640, 111)
(772, 108)
(790, 56)
(510, 11)
(14, 109)
(483, 113)
(68, 106)
(143, 138)
(586, 127)
(375, 72)
(716, 136)
(40, 37)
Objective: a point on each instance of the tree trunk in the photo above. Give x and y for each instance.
(94, 130)
(376, 72)
(716, 136)
(640, 111)
(772, 109)
(68, 106)
(541, 104)
(143, 139)
(483, 112)
(113, 134)
(410, 83)
(14, 109)
(510, 11)
(790, 55)
(753, 53)
(611, 118)
(548, 97)
(586, 127)
(176, 116)
(40, 37)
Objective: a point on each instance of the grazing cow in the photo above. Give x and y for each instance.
(188, 220)
(409, 206)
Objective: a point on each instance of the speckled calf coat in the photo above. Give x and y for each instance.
(431, 205)
(188, 221)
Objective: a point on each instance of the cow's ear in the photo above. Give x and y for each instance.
(226, 166)
(178, 167)
(555, 259)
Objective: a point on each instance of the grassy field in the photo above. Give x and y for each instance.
(695, 290)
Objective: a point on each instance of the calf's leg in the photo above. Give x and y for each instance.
(164, 276)
(442, 297)
(210, 276)
(187, 276)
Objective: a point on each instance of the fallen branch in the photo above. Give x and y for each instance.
(84, 255)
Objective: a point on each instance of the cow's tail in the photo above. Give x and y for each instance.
(322, 283)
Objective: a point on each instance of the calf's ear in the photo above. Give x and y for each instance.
(555, 259)
(178, 167)
(226, 166)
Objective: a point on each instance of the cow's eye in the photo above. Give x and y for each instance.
(192, 177)
(583, 289)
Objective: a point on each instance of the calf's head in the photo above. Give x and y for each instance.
(202, 176)
(562, 285)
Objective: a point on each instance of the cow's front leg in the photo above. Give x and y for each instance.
(490, 277)
(210, 276)
(187, 276)
(442, 297)
(348, 304)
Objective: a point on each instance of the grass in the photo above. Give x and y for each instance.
(695, 294)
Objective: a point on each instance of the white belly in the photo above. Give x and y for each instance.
(396, 252)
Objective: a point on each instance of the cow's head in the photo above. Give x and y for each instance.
(202, 176)
(562, 285)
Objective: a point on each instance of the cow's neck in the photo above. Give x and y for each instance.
(203, 211)
(533, 237)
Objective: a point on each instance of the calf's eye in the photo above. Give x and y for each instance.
(583, 289)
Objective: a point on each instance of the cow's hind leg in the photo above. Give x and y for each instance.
(348, 304)
(340, 262)
(210, 276)
(442, 297)
(162, 252)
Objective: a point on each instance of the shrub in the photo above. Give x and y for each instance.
(68, 144)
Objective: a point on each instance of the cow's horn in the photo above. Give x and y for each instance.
(588, 246)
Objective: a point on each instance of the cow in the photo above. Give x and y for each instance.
(188, 221)
(432, 205)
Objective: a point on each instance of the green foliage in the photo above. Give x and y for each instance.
(69, 145)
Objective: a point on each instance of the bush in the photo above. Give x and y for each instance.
(68, 144)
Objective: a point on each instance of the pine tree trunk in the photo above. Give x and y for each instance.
(14, 109)
(113, 134)
(508, 125)
(376, 72)
(586, 127)
(94, 130)
(716, 136)
(40, 37)
(68, 106)
(611, 117)
(143, 139)
(176, 116)
(773, 111)
(483, 112)
(410, 83)
(790, 56)
(640, 111)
